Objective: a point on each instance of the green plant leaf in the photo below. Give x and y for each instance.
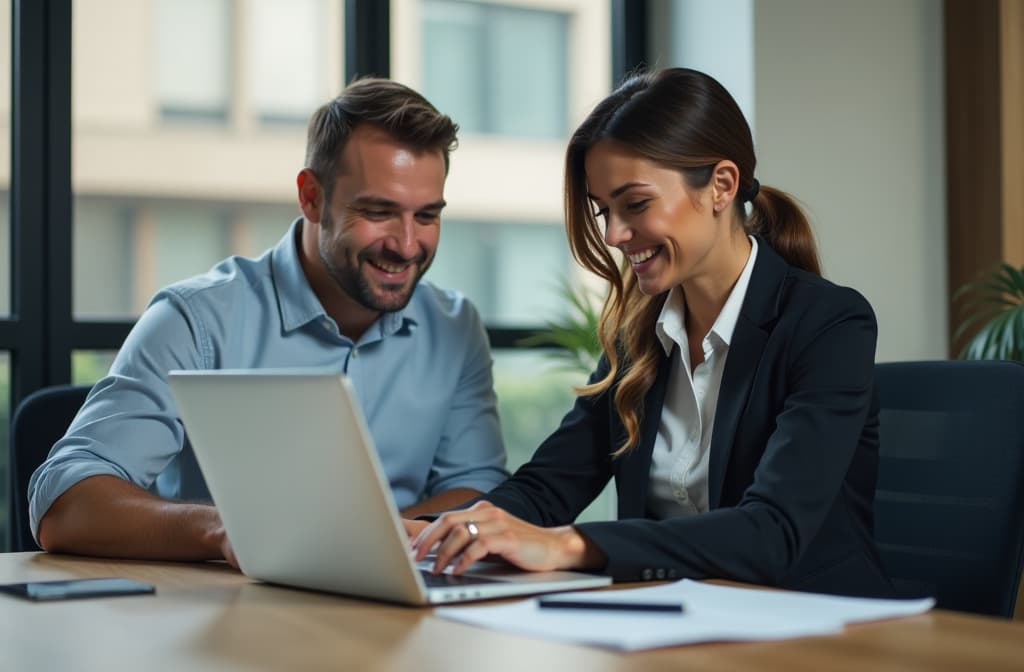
(994, 304)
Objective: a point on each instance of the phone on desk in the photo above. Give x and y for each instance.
(75, 589)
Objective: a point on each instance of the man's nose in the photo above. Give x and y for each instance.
(404, 236)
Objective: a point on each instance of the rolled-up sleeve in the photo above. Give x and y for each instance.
(128, 426)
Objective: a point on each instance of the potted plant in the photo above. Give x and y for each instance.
(993, 304)
(573, 337)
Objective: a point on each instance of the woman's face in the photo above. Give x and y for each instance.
(667, 230)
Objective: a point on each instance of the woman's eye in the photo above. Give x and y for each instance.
(638, 206)
(602, 212)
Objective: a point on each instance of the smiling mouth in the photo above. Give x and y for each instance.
(638, 258)
(392, 269)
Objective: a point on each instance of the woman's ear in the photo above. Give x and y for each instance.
(725, 181)
(311, 196)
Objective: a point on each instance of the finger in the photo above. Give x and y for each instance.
(451, 546)
(429, 537)
(474, 552)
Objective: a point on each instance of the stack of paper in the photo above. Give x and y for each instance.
(711, 613)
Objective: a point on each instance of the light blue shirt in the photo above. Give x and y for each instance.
(422, 375)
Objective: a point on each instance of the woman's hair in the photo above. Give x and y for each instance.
(684, 120)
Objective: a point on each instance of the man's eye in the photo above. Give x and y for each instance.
(376, 214)
(428, 217)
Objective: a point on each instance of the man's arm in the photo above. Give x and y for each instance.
(89, 495)
(442, 501)
(108, 516)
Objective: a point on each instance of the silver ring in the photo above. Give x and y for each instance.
(473, 530)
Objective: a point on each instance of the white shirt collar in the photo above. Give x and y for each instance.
(671, 325)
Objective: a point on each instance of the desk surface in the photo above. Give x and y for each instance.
(208, 617)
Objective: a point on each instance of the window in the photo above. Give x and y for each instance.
(286, 59)
(509, 271)
(193, 43)
(497, 69)
(156, 200)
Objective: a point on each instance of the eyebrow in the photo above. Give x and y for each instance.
(618, 191)
(376, 201)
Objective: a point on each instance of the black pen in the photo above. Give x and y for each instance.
(660, 607)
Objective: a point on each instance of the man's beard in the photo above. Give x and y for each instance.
(349, 277)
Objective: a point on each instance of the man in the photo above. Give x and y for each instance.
(340, 291)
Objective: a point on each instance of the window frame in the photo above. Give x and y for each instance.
(41, 333)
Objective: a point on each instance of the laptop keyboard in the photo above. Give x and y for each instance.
(449, 580)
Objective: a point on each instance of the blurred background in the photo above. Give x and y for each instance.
(152, 138)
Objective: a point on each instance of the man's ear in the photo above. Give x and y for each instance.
(311, 195)
(725, 181)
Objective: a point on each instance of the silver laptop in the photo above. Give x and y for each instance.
(292, 469)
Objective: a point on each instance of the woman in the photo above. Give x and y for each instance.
(734, 405)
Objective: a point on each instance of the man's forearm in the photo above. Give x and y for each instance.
(443, 501)
(107, 516)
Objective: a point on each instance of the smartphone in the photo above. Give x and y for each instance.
(74, 589)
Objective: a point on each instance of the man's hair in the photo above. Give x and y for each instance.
(401, 112)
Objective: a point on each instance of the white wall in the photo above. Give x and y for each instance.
(849, 113)
(846, 102)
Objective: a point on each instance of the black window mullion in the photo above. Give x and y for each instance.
(367, 38)
(629, 37)
(58, 193)
(29, 61)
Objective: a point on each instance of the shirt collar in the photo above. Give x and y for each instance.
(671, 325)
(298, 303)
(725, 324)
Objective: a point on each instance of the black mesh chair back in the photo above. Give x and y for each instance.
(40, 420)
(949, 510)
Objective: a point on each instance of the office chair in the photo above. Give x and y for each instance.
(39, 421)
(949, 509)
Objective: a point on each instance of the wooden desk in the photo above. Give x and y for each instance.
(208, 617)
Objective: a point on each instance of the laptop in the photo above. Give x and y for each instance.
(295, 476)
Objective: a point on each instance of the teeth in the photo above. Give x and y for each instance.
(641, 257)
(389, 268)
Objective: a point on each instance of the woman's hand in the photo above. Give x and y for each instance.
(484, 529)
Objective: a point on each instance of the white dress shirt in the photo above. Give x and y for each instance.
(679, 464)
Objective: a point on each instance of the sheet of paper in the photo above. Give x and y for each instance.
(712, 613)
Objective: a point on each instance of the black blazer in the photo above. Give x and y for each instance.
(793, 458)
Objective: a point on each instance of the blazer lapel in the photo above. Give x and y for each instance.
(759, 311)
(634, 474)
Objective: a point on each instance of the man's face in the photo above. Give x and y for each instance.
(380, 228)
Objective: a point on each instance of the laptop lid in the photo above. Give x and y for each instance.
(291, 466)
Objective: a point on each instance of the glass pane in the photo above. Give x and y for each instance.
(279, 91)
(5, 423)
(193, 76)
(510, 271)
(157, 200)
(534, 392)
(477, 69)
(88, 366)
(5, 158)
(516, 79)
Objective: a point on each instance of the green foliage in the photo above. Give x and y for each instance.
(994, 301)
(574, 336)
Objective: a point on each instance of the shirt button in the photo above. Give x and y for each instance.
(646, 574)
(660, 573)
(355, 352)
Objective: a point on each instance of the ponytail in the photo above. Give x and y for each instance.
(776, 217)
